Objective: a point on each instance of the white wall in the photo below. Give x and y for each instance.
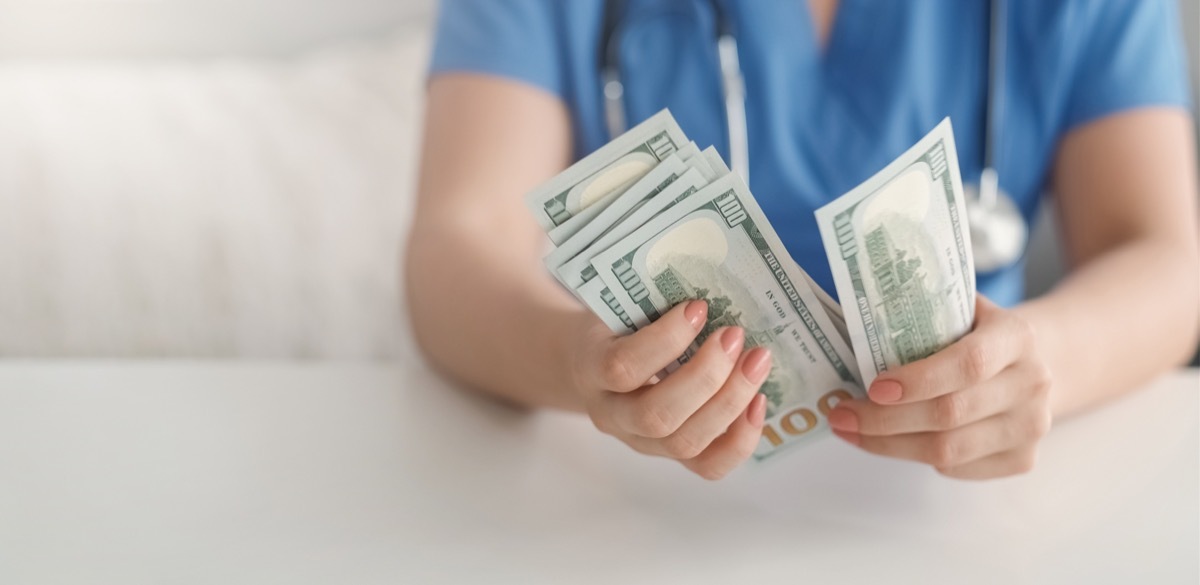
(193, 28)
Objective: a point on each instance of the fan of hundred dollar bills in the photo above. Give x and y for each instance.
(650, 220)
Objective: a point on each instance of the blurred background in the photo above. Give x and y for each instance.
(225, 179)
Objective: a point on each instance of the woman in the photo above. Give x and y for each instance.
(1096, 110)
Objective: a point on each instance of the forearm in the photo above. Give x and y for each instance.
(482, 307)
(1122, 318)
(489, 318)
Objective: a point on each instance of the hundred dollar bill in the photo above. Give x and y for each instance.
(832, 308)
(603, 174)
(578, 270)
(720, 169)
(626, 204)
(700, 162)
(601, 300)
(900, 252)
(717, 245)
(690, 155)
(688, 151)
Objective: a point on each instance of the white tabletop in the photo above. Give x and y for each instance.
(255, 474)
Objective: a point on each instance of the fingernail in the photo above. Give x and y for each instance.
(757, 365)
(757, 412)
(886, 391)
(852, 438)
(843, 419)
(731, 341)
(695, 312)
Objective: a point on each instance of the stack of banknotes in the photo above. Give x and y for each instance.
(650, 220)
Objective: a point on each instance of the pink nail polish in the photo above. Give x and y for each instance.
(885, 391)
(696, 311)
(757, 365)
(843, 419)
(757, 412)
(731, 341)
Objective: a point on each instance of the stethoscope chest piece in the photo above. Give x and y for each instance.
(998, 231)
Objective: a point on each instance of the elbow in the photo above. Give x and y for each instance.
(435, 316)
(1191, 305)
(1174, 302)
(1190, 354)
(1188, 315)
(415, 282)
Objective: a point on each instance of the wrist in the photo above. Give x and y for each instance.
(1046, 315)
(563, 332)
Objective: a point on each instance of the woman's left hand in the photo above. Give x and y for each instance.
(974, 410)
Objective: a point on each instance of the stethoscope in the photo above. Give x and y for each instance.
(998, 231)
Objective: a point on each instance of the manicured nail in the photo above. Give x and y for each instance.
(731, 341)
(852, 438)
(757, 365)
(695, 312)
(886, 391)
(843, 419)
(757, 412)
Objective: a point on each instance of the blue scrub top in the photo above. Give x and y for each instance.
(822, 121)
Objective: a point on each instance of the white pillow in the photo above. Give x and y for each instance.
(220, 209)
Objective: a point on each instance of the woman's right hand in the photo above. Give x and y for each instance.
(708, 414)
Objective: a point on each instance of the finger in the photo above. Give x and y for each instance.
(998, 340)
(658, 410)
(1012, 462)
(946, 449)
(946, 412)
(716, 415)
(629, 361)
(735, 446)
